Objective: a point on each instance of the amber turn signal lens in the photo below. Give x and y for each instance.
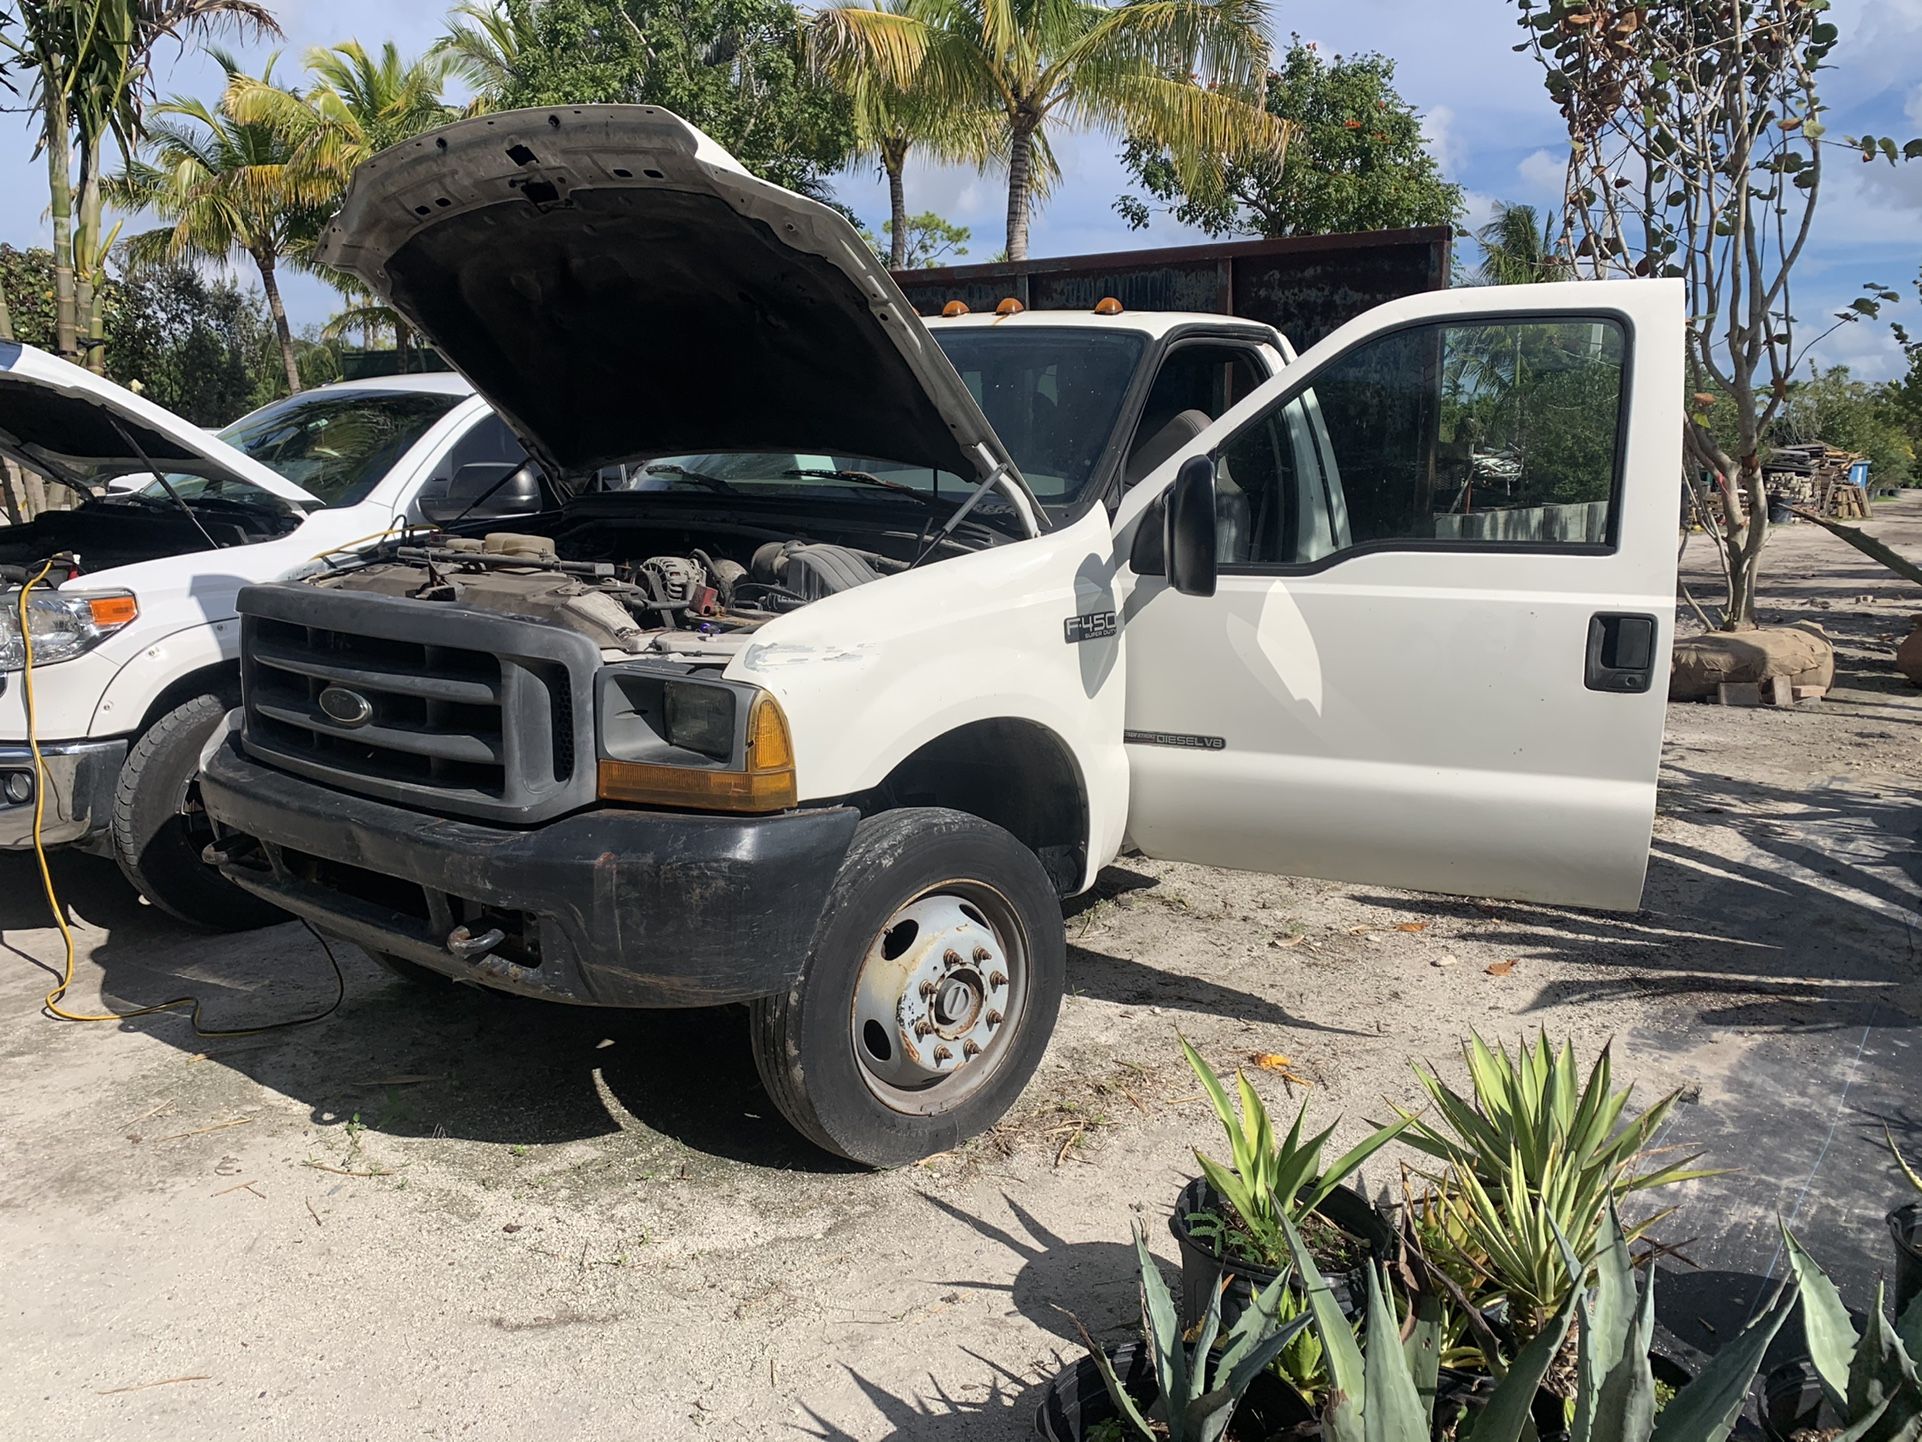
(765, 784)
(113, 610)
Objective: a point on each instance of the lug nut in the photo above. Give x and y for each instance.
(953, 958)
(942, 1054)
(970, 1048)
(927, 991)
(994, 1018)
(922, 1028)
(981, 953)
(997, 980)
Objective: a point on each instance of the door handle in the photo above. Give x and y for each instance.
(1621, 652)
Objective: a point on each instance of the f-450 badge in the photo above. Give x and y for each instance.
(1090, 627)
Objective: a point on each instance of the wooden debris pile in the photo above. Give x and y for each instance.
(1819, 478)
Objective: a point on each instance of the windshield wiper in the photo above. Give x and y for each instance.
(863, 478)
(682, 473)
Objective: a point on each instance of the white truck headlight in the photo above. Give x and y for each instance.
(61, 624)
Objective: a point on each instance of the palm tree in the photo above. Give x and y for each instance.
(225, 188)
(90, 68)
(890, 120)
(486, 43)
(1518, 248)
(1180, 73)
(358, 105)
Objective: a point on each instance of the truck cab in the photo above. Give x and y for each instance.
(899, 630)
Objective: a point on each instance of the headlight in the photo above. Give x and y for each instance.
(61, 624)
(703, 744)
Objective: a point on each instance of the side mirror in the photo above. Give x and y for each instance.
(1190, 539)
(485, 491)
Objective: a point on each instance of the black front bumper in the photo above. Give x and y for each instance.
(604, 908)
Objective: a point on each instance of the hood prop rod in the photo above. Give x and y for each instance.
(165, 484)
(948, 527)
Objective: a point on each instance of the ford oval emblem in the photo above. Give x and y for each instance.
(348, 708)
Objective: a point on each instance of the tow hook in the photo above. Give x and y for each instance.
(464, 944)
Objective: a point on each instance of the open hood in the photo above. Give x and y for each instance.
(618, 287)
(68, 423)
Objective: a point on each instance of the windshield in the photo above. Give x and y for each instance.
(789, 475)
(337, 446)
(1053, 395)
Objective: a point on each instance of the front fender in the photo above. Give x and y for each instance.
(158, 665)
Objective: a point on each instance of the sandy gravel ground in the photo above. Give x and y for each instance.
(455, 1216)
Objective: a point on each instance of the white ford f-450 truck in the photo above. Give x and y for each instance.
(918, 625)
(135, 640)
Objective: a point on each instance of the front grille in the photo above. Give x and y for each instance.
(459, 711)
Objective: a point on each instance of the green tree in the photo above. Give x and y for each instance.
(89, 68)
(1833, 407)
(27, 279)
(203, 349)
(735, 68)
(922, 242)
(488, 44)
(1358, 160)
(1518, 248)
(1182, 74)
(225, 188)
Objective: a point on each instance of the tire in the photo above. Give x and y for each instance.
(156, 841)
(922, 894)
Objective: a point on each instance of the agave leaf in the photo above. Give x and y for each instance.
(1346, 1372)
(1625, 1409)
(1234, 1191)
(1831, 1335)
(1124, 1404)
(1217, 1097)
(1907, 1171)
(1422, 1348)
(1253, 1344)
(1161, 1326)
(1508, 1409)
(1880, 1367)
(1350, 1162)
(1257, 1132)
(1296, 1171)
(1391, 1409)
(1706, 1408)
(1605, 1321)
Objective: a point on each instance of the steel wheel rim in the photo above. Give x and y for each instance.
(942, 990)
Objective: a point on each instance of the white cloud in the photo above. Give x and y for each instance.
(1438, 129)
(1544, 171)
(1913, 109)
(1479, 209)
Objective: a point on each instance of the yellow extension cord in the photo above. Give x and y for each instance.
(53, 1006)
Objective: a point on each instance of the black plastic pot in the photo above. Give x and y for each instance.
(1202, 1268)
(1460, 1395)
(1077, 1401)
(1790, 1399)
(1905, 1226)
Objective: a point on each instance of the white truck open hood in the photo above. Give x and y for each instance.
(618, 286)
(66, 422)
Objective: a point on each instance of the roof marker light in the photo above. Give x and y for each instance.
(1009, 306)
(1107, 305)
(954, 308)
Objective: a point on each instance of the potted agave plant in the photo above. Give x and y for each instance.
(1163, 1388)
(1232, 1219)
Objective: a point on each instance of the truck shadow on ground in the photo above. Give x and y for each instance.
(455, 1061)
(1006, 1412)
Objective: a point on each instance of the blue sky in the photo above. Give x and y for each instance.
(1486, 114)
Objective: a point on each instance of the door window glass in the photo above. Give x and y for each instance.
(1471, 433)
(1195, 385)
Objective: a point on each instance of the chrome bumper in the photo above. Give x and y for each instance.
(80, 777)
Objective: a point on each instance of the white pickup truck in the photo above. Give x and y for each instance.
(135, 638)
(925, 623)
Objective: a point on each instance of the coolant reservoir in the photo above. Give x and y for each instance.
(511, 543)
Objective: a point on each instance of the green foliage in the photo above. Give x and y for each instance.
(205, 350)
(1517, 248)
(26, 280)
(1199, 1387)
(931, 241)
(1537, 1156)
(1269, 1184)
(1870, 1381)
(735, 68)
(1358, 160)
(1383, 1393)
(1833, 407)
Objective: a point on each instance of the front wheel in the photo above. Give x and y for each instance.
(929, 996)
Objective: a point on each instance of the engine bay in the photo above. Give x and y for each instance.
(691, 600)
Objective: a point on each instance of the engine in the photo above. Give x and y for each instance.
(619, 605)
